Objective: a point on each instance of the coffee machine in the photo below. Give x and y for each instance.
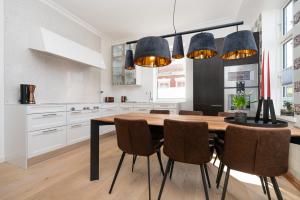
(27, 94)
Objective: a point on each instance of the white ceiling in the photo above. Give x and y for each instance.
(126, 19)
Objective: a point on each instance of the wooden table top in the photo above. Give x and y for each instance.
(215, 123)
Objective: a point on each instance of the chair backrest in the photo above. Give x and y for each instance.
(189, 112)
(226, 114)
(259, 151)
(134, 137)
(160, 112)
(186, 141)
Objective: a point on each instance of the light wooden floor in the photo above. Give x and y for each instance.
(67, 177)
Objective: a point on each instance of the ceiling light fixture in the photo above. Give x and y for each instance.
(240, 44)
(202, 46)
(152, 52)
(129, 64)
(178, 51)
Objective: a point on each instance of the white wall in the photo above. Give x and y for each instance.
(58, 80)
(1, 81)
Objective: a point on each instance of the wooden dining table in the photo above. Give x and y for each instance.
(215, 124)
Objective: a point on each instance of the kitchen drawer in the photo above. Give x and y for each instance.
(95, 114)
(45, 109)
(109, 105)
(141, 110)
(78, 116)
(126, 105)
(46, 140)
(143, 105)
(165, 106)
(45, 120)
(124, 110)
(109, 111)
(78, 132)
(107, 129)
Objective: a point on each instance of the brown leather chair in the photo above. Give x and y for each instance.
(157, 132)
(187, 142)
(189, 112)
(220, 136)
(134, 137)
(167, 112)
(259, 151)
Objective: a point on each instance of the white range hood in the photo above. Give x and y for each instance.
(49, 42)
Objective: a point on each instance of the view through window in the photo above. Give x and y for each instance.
(171, 80)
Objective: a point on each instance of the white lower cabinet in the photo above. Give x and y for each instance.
(78, 132)
(46, 140)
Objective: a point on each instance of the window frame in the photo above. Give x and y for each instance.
(284, 53)
(284, 18)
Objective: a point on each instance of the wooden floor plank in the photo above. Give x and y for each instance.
(66, 177)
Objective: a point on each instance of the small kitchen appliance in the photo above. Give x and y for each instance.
(27, 94)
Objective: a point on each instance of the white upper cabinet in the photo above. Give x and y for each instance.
(47, 41)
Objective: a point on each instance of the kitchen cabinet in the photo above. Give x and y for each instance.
(121, 76)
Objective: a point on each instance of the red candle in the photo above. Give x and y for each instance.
(269, 84)
(262, 84)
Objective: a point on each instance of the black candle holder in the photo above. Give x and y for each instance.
(268, 109)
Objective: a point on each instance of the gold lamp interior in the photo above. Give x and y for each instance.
(152, 61)
(239, 54)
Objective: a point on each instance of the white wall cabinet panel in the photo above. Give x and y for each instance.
(43, 141)
(44, 40)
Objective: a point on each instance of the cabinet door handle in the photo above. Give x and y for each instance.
(76, 112)
(46, 132)
(216, 105)
(76, 126)
(49, 115)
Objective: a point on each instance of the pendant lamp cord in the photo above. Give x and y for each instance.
(174, 16)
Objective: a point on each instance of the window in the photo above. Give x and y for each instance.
(288, 54)
(171, 80)
(288, 17)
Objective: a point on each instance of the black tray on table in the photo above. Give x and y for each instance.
(260, 123)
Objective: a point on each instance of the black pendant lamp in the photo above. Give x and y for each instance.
(129, 64)
(178, 51)
(202, 46)
(240, 44)
(152, 52)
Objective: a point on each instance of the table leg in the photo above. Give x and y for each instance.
(94, 159)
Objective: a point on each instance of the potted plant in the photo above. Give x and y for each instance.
(288, 109)
(240, 102)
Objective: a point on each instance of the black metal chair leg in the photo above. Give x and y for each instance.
(160, 163)
(218, 173)
(207, 176)
(172, 167)
(262, 184)
(267, 187)
(215, 160)
(225, 183)
(149, 183)
(204, 181)
(117, 172)
(164, 179)
(133, 162)
(219, 178)
(276, 188)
